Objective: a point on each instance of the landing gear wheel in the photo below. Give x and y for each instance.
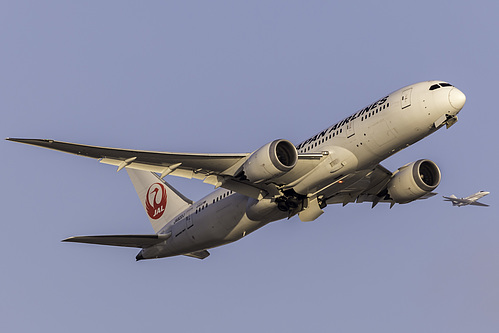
(292, 202)
(281, 205)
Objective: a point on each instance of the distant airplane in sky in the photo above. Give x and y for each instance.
(471, 200)
(279, 180)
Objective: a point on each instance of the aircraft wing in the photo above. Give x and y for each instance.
(368, 186)
(149, 160)
(476, 203)
(216, 169)
(139, 241)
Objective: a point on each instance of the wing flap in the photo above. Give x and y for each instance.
(139, 241)
(159, 169)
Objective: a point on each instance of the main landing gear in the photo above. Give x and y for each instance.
(294, 202)
(286, 204)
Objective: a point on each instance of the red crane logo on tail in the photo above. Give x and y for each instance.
(156, 200)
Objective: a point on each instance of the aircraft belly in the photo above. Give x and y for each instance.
(213, 226)
(244, 227)
(257, 214)
(228, 215)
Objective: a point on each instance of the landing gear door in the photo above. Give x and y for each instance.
(406, 98)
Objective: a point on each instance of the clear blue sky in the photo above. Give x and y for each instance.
(230, 76)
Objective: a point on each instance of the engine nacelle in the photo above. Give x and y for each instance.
(270, 161)
(414, 180)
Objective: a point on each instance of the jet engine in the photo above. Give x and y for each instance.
(414, 180)
(270, 161)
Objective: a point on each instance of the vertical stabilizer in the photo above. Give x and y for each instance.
(160, 200)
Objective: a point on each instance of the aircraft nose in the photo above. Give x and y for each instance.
(457, 98)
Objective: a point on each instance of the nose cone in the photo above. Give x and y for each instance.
(456, 99)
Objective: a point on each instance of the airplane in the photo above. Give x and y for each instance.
(471, 200)
(338, 165)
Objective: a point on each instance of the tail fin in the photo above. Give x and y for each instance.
(160, 200)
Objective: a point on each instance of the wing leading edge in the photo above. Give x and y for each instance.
(218, 163)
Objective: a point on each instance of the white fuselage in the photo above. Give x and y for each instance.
(469, 200)
(362, 141)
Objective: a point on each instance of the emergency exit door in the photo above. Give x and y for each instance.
(406, 98)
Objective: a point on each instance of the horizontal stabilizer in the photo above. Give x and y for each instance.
(198, 254)
(140, 241)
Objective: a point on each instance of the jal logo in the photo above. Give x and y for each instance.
(156, 200)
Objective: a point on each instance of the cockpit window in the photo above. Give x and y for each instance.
(440, 85)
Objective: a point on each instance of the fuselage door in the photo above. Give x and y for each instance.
(406, 98)
(188, 221)
(350, 131)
